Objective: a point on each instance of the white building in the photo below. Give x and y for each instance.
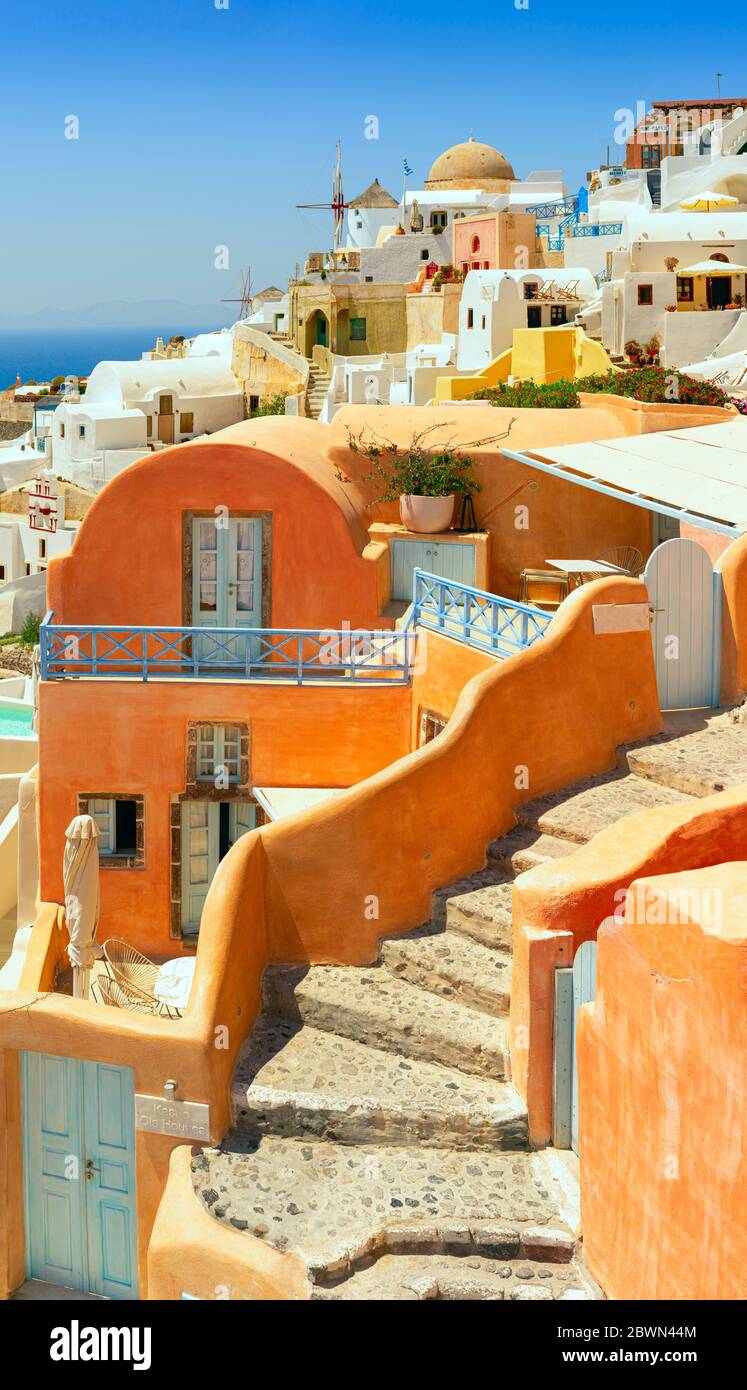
(131, 407)
(28, 541)
(19, 460)
(495, 302)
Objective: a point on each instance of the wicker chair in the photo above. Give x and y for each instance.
(112, 994)
(131, 971)
(626, 557)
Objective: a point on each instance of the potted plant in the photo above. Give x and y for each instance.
(634, 350)
(425, 477)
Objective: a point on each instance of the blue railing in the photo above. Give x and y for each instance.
(597, 229)
(483, 620)
(297, 654)
(559, 208)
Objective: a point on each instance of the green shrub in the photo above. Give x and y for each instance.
(273, 405)
(30, 630)
(653, 384)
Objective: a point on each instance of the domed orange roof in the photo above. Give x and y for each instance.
(470, 161)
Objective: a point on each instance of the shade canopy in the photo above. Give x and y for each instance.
(697, 475)
(80, 874)
(713, 268)
(708, 201)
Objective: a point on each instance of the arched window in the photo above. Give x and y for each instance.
(717, 256)
(475, 245)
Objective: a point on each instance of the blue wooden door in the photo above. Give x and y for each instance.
(448, 559)
(52, 1143)
(79, 1174)
(685, 595)
(109, 1179)
(584, 990)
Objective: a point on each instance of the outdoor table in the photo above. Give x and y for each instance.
(174, 982)
(575, 569)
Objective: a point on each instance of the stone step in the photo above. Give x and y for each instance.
(341, 1206)
(581, 811)
(484, 914)
(300, 1082)
(368, 1005)
(698, 753)
(524, 848)
(452, 966)
(413, 1278)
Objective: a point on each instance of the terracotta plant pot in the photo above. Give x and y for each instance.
(426, 514)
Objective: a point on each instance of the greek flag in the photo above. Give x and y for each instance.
(407, 168)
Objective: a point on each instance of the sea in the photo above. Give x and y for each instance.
(41, 354)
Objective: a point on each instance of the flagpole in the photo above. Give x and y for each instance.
(404, 205)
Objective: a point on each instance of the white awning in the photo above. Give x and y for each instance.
(279, 802)
(697, 475)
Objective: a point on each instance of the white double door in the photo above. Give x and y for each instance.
(209, 829)
(227, 583)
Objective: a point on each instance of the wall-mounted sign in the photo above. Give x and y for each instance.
(185, 1119)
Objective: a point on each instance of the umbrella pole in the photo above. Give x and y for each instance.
(81, 982)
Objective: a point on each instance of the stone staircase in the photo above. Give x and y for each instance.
(376, 1131)
(316, 390)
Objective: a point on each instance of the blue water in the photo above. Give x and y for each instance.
(39, 355)
(15, 722)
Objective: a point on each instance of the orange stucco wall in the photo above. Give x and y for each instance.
(114, 736)
(561, 518)
(559, 905)
(328, 884)
(662, 1061)
(127, 563)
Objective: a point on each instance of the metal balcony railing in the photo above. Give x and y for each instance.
(302, 655)
(494, 624)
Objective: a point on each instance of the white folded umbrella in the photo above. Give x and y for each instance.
(81, 879)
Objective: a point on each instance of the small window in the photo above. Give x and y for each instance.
(470, 318)
(116, 819)
(483, 322)
(475, 245)
(81, 431)
(253, 405)
(530, 289)
(2, 573)
(219, 754)
(62, 429)
(438, 221)
(42, 550)
(645, 294)
(149, 424)
(187, 422)
(369, 279)
(357, 330)
(431, 725)
(685, 289)
(425, 255)
(465, 267)
(558, 314)
(27, 568)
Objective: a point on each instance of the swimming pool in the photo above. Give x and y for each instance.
(15, 719)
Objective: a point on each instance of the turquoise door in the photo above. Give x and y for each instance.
(448, 559)
(79, 1174)
(226, 583)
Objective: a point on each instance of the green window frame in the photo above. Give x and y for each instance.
(357, 330)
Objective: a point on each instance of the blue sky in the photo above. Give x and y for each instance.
(203, 126)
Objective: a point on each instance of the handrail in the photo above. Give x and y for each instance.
(487, 621)
(73, 650)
